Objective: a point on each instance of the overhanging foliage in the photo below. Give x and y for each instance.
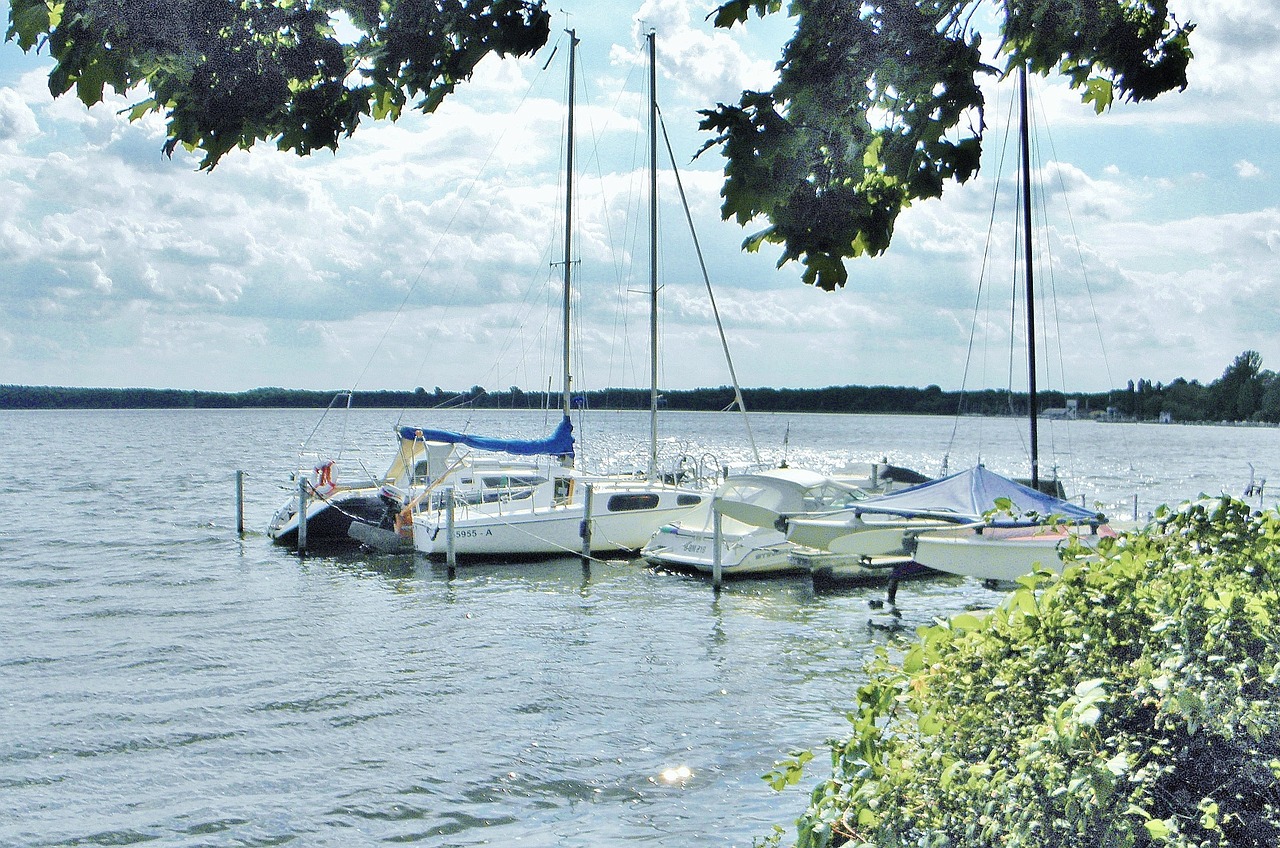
(229, 73)
(877, 105)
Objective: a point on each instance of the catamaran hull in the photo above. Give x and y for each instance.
(834, 571)
(861, 537)
(1000, 554)
(328, 519)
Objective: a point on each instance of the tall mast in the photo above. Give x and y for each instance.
(568, 232)
(653, 257)
(1026, 240)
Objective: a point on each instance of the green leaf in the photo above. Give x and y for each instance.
(31, 20)
(1100, 93)
(140, 109)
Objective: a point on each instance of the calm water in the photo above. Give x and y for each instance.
(164, 681)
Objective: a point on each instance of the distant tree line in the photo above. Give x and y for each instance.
(1244, 392)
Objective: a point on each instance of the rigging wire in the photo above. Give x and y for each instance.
(448, 229)
(1084, 275)
(978, 297)
(706, 277)
(417, 280)
(623, 271)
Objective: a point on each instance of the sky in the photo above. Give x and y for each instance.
(421, 253)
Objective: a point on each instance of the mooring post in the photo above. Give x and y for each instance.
(1135, 506)
(240, 503)
(451, 553)
(584, 530)
(717, 575)
(302, 515)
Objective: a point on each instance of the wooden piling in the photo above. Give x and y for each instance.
(451, 552)
(302, 515)
(717, 568)
(584, 530)
(240, 503)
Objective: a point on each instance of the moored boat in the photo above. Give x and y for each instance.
(340, 514)
(750, 508)
(1003, 554)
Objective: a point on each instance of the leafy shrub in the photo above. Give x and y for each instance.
(1133, 701)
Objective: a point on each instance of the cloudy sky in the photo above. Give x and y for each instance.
(420, 254)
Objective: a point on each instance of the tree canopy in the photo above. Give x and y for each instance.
(877, 105)
(230, 73)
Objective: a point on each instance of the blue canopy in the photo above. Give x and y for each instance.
(559, 443)
(968, 494)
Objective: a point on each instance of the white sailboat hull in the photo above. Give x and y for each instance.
(492, 530)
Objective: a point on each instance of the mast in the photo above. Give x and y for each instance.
(568, 236)
(653, 256)
(1025, 137)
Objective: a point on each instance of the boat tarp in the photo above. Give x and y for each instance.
(969, 494)
(559, 443)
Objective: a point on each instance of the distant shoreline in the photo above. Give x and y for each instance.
(899, 400)
(1107, 407)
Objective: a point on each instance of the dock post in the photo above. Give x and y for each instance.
(302, 515)
(451, 553)
(240, 503)
(584, 530)
(717, 567)
(1135, 506)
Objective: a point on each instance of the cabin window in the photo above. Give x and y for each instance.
(688, 500)
(631, 503)
(507, 482)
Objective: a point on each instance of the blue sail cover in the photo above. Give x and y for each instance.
(559, 443)
(969, 494)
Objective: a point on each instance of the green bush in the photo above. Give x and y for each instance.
(1134, 701)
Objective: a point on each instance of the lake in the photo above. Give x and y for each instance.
(164, 680)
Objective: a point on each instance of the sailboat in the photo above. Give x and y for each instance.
(342, 513)
(976, 523)
(568, 511)
(1002, 551)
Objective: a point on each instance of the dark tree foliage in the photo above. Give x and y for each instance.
(877, 105)
(1255, 393)
(229, 73)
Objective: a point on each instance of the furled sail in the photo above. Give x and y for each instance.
(559, 443)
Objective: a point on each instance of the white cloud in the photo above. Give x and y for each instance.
(696, 56)
(1246, 170)
(430, 241)
(17, 121)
